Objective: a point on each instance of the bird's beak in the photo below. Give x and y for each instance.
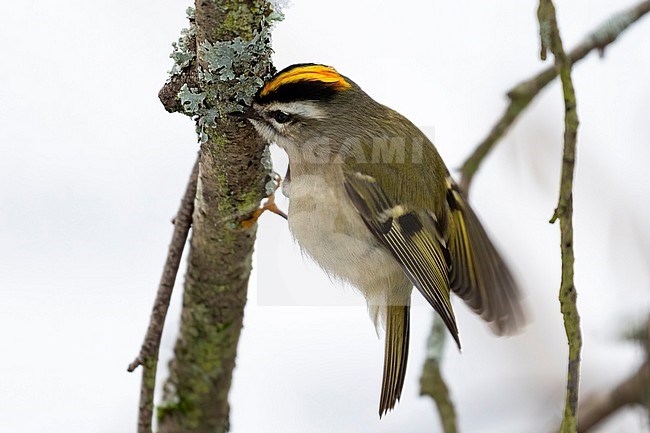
(248, 113)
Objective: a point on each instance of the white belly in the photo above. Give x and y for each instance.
(328, 228)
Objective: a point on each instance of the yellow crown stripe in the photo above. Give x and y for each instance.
(320, 73)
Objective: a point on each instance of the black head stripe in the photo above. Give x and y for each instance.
(299, 91)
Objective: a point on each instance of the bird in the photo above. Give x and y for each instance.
(373, 204)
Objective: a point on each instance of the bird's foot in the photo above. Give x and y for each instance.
(269, 205)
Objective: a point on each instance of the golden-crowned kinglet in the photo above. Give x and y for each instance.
(372, 202)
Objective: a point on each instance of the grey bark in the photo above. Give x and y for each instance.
(232, 59)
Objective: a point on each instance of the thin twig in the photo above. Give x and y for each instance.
(550, 38)
(432, 382)
(148, 357)
(634, 390)
(521, 95)
(598, 407)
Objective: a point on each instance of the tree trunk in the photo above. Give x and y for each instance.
(232, 58)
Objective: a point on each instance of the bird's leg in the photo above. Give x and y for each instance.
(269, 204)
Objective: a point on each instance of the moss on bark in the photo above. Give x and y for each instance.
(230, 186)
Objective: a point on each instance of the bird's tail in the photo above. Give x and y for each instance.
(395, 356)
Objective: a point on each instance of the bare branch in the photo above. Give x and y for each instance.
(522, 94)
(148, 356)
(598, 407)
(432, 382)
(634, 390)
(550, 38)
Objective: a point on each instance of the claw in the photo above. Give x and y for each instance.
(269, 205)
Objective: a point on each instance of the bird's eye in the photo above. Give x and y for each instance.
(281, 116)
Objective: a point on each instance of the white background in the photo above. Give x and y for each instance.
(92, 169)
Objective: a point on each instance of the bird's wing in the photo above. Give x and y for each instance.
(413, 238)
(478, 273)
(437, 221)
